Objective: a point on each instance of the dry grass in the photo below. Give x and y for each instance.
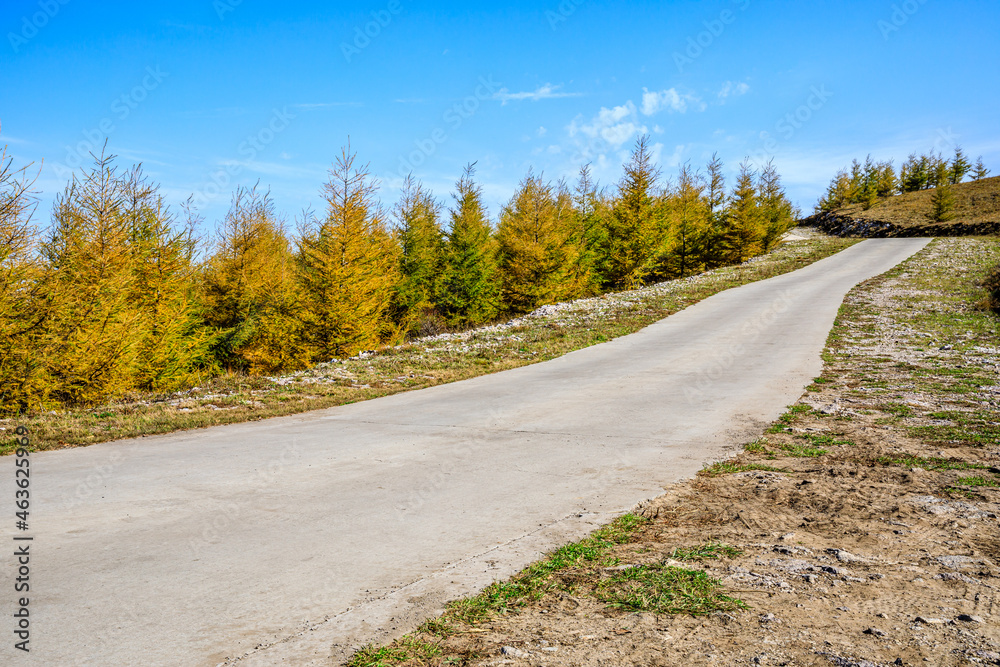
(976, 203)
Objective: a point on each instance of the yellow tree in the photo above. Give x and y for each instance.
(537, 253)
(348, 267)
(249, 289)
(94, 332)
(22, 311)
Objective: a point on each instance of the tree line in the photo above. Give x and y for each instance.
(872, 181)
(118, 294)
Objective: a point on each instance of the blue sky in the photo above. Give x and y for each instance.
(214, 93)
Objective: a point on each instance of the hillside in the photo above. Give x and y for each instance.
(977, 212)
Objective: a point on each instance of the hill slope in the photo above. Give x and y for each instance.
(977, 211)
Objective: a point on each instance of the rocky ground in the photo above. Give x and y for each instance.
(862, 529)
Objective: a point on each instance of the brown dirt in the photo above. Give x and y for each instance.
(853, 556)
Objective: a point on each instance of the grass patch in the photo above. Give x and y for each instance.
(973, 435)
(729, 467)
(978, 481)
(536, 580)
(897, 409)
(711, 551)
(825, 440)
(802, 451)
(932, 463)
(787, 419)
(407, 648)
(666, 590)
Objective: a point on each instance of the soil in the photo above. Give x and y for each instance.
(864, 548)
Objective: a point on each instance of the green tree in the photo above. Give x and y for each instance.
(837, 194)
(959, 167)
(979, 170)
(587, 209)
(744, 231)
(915, 173)
(348, 267)
(776, 211)
(635, 229)
(943, 201)
(421, 241)
(867, 193)
(690, 219)
(469, 289)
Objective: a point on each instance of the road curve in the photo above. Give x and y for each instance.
(292, 540)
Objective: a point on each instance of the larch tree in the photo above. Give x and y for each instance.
(691, 226)
(635, 238)
(979, 170)
(421, 241)
(776, 211)
(94, 333)
(959, 167)
(348, 267)
(22, 311)
(588, 211)
(175, 347)
(535, 245)
(837, 193)
(943, 203)
(744, 230)
(717, 202)
(468, 291)
(249, 289)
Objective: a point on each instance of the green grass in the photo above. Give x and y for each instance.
(502, 597)
(825, 440)
(536, 580)
(897, 409)
(802, 451)
(666, 590)
(789, 418)
(405, 649)
(978, 481)
(711, 551)
(932, 463)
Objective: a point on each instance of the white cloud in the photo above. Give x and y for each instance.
(669, 99)
(614, 126)
(546, 92)
(733, 89)
(542, 131)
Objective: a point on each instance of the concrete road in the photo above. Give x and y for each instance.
(292, 540)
